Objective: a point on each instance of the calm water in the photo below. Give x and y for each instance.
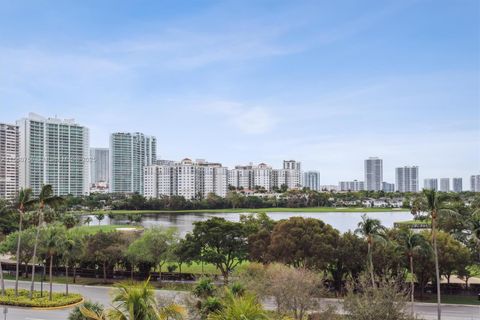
(342, 221)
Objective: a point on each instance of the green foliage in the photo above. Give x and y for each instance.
(76, 313)
(23, 299)
(236, 307)
(204, 288)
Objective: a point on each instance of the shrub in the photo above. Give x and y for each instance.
(76, 314)
(23, 299)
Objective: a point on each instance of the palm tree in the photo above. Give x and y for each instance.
(433, 206)
(371, 230)
(23, 201)
(132, 302)
(45, 198)
(72, 248)
(54, 238)
(239, 307)
(88, 220)
(411, 243)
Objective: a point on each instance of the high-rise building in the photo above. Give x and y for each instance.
(262, 176)
(54, 152)
(99, 165)
(187, 178)
(373, 174)
(311, 180)
(9, 159)
(457, 185)
(354, 185)
(130, 153)
(290, 175)
(406, 179)
(241, 177)
(388, 187)
(475, 183)
(445, 184)
(430, 183)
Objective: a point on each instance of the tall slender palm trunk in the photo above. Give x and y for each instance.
(50, 278)
(370, 262)
(1, 279)
(412, 285)
(17, 255)
(437, 269)
(34, 259)
(66, 282)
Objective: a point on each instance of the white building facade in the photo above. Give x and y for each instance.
(354, 185)
(187, 178)
(457, 184)
(475, 183)
(9, 161)
(406, 179)
(130, 153)
(311, 180)
(55, 152)
(373, 174)
(445, 184)
(430, 183)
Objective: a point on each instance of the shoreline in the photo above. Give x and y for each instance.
(244, 210)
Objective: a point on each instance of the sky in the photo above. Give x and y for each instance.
(328, 83)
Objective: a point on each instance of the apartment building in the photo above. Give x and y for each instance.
(54, 151)
(9, 161)
(406, 179)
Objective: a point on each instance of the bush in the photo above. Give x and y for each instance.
(76, 314)
(23, 299)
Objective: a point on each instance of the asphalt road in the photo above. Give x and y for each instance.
(102, 294)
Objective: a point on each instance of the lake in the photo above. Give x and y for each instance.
(343, 221)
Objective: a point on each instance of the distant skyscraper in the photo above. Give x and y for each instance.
(388, 187)
(431, 184)
(99, 165)
(55, 152)
(457, 185)
(406, 179)
(445, 184)
(351, 185)
(311, 180)
(262, 176)
(290, 175)
(373, 174)
(475, 183)
(129, 154)
(9, 154)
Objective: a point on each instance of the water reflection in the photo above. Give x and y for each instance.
(343, 221)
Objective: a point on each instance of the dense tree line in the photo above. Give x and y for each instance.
(237, 199)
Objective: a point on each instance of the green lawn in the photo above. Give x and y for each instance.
(92, 229)
(313, 209)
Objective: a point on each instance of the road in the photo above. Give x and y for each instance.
(427, 311)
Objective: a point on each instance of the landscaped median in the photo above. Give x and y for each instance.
(39, 301)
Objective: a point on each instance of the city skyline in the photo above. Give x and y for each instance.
(320, 82)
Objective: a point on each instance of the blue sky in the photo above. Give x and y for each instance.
(329, 83)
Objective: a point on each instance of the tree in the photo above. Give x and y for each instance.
(371, 230)
(387, 301)
(88, 220)
(348, 259)
(53, 241)
(45, 198)
(105, 248)
(219, 242)
(76, 313)
(295, 291)
(100, 216)
(23, 202)
(433, 206)
(411, 243)
(303, 243)
(72, 249)
(154, 247)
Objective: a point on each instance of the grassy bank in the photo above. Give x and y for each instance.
(314, 209)
(93, 229)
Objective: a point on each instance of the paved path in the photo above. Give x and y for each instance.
(427, 311)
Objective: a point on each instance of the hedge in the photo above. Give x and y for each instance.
(23, 299)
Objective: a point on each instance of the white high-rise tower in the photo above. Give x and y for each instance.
(9, 154)
(373, 174)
